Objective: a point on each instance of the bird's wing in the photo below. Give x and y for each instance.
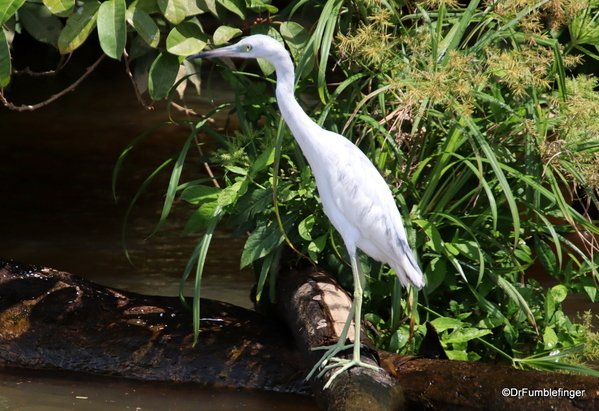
(363, 198)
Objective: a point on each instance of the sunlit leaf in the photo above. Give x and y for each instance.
(8, 8)
(200, 194)
(112, 29)
(61, 8)
(175, 11)
(465, 334)
(265, 239)
(444, 323)
(186, 39)
(225, 33)
(145, 26)
(555, 296)
(200, 219)
(305, 227)
(5, 65)
(317, 246)
(550, 339)
(79, 25)
(259, 5)
(296, 38)
(230, 194)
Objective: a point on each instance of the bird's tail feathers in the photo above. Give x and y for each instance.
(408, 272)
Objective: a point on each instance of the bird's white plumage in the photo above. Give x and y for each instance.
(354, 195)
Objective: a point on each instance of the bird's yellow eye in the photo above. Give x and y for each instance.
(247, 48)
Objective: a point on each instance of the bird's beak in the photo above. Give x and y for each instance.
(229, 51)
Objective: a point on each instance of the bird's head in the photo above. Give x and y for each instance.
(256, 46)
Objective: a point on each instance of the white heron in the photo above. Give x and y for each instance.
(354, 195)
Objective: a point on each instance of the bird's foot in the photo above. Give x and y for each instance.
(343, 363)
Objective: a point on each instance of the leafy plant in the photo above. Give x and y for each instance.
(468, 114)
(156, 35)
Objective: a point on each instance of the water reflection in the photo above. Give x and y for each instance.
(57, 210)
(57, 391)
(57, 206)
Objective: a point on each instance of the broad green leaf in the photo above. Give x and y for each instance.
(230, 194)
(145, 26)
(225, 33)
(315, 247)
(61, 8)
(5, 65)
(296, 38)
(587, 284)
(186, 39)
(163, 74)
(78, 27)
(149, 6)
(213, 7)
(305, 227)
(259, 5)
(546, 257)
(550, 339)
(40, 23)
(175, 11)
(265, 239)
(200, 219)
(555, 296)
(237, 170)
(435, 274)
(200, 194)
(264, 160)
(192, 8)
(456, 355)
(112, 29)
(8, 8)
(236, 6)
(444, 323)
(465, 334)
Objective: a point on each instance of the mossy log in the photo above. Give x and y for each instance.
(55, 320)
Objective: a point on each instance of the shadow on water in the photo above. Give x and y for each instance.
(57, 209)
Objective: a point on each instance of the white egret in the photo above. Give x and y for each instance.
(354, 195)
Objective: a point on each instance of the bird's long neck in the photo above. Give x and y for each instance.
(300, 124)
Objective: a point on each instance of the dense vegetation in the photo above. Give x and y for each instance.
(481, 116)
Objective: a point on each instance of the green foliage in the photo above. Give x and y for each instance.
(478, 101)
(470, 116)
(134, 28)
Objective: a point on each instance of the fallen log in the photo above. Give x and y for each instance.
(432, 385)
(55, 320)
(316, 307)
(428, 384)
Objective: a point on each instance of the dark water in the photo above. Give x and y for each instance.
(57, 209)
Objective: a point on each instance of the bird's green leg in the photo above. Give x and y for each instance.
(356, 312)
